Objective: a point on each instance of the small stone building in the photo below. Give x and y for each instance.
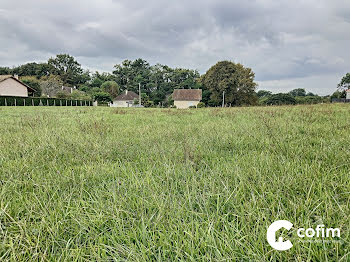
(184, 98)
(11, 86)
(125, 99)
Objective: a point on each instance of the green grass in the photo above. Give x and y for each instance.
(101, 184)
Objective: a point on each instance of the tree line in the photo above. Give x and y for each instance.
(157, 83)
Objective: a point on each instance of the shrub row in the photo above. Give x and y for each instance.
(40, 101)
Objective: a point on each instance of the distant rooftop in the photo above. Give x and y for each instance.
(127, 96)
(187, 95)
(5, 77)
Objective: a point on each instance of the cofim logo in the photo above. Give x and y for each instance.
(282, 245)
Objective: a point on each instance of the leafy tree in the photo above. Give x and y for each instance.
(5, 71)
(86, 88)
(97, 79)
(130, 73)
(33, 69)
(34, 83)
(67, 68)
(298, 92)
(111, 88)
(206, 96)
(83, 78)
(345, 82)
(280, 99)
(339, 94)
(184, 78)
(234, 79)
(263, 93)
(102, 97)
(145, 101)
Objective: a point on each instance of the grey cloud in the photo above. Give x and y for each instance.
(281, 40)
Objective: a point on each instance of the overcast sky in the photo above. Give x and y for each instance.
(288, 44)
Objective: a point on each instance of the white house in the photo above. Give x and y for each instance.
(184, 98)
(11, 86)
(125, 99)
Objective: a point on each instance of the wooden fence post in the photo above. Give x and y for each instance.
(15, 102)
(5, 102)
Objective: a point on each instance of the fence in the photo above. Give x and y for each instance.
(39, 101)
(340, 100)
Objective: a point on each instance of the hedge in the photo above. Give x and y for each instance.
(40, 101)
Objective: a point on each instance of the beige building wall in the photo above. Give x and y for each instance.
(185, 104)
(121, 104)
(11, 87)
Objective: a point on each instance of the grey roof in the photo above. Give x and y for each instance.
(127, 96)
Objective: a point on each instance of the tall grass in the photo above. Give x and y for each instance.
(101, 184)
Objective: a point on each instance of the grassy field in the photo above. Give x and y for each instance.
(101, 184)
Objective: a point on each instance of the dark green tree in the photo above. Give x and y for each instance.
(67, 68)
(235, 80)
(97, 79)
(34, 83)
(298, 92)
(5, 71)
(33, 69)
(102, 97)
(339, 94)
(130, 74)
(263, 93)
(345, 82)
(280, 99)
(111, 88)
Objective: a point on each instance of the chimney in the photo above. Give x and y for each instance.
(15, 76)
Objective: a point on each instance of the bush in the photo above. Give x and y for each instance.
(41, 101)
(200, 105)
(103, 97)
(309, 99)
(281, 99)
(34, 83)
